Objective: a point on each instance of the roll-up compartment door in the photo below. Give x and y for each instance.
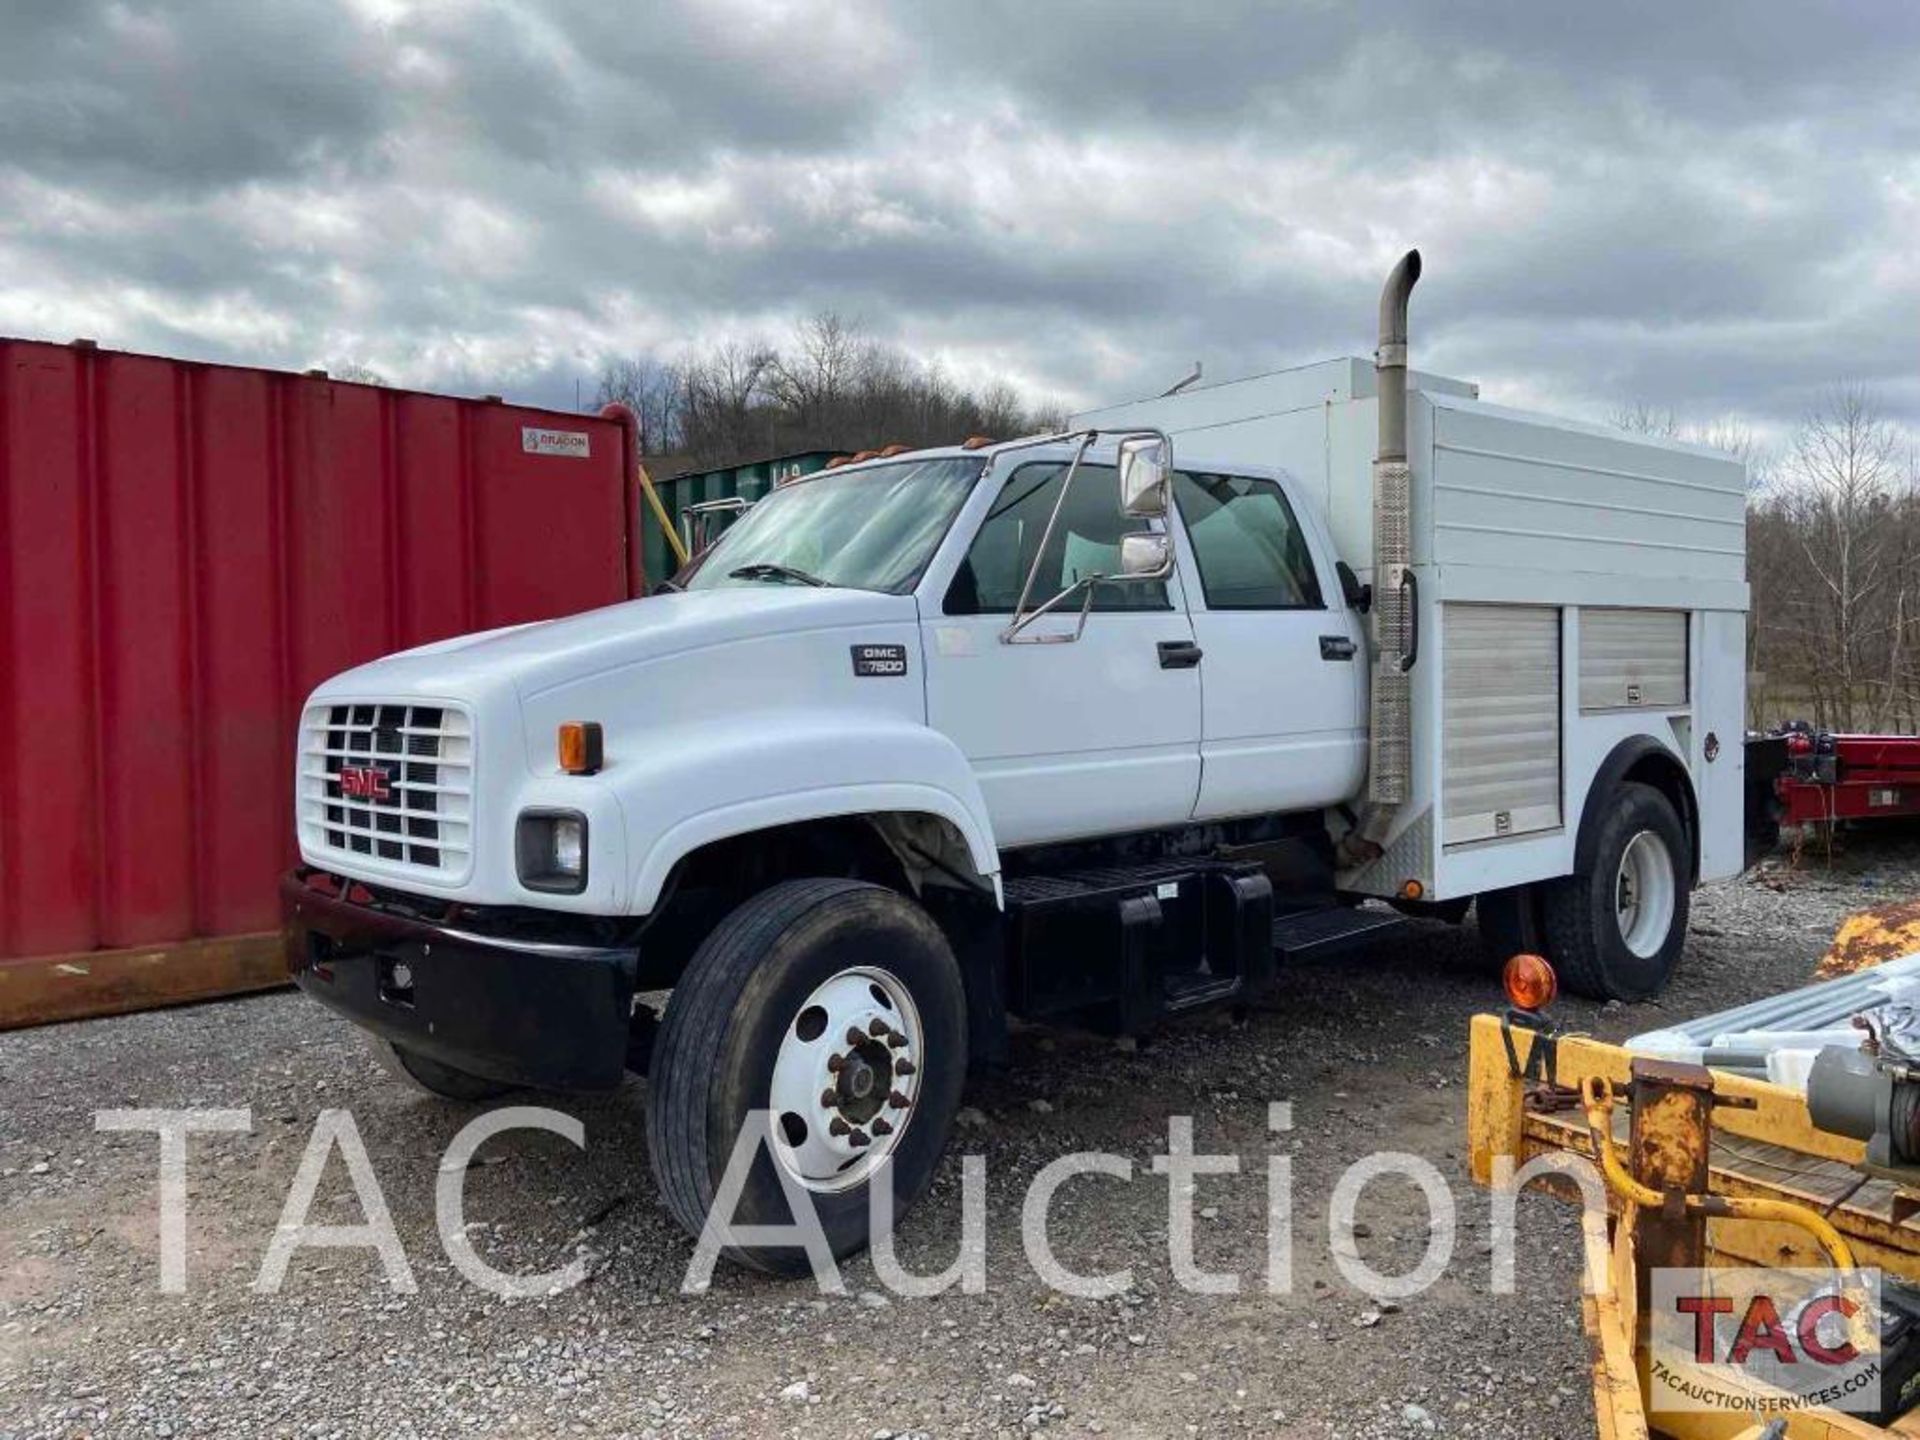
(1500, 707)
(1633, 658)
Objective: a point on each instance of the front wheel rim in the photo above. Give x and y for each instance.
(1645, 894)
(846, 1079)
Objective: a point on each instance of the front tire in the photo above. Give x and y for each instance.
(837, 1007)
(1615, 930)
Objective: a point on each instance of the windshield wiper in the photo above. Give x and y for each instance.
(764, 570)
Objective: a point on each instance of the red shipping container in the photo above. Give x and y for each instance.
(185, 551)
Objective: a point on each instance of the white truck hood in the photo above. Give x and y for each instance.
(534, 658)
(709, 700)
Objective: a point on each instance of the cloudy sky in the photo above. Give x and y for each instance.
(1713, 208)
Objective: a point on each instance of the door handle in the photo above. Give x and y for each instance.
(1336, 647)
(1410, 609)
(1179, 654)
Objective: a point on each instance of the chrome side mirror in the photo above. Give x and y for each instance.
(1146, 462)
(1145, 556)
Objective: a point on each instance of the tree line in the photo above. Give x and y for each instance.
(831, 387)
(1833, 556)
(1833, 560)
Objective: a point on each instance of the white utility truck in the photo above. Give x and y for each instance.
(1065, 728)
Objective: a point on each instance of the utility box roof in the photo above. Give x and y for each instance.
(1278, 392)
(1588, 514)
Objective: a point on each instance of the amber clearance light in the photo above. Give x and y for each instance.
(1530, 982)
(582, 749)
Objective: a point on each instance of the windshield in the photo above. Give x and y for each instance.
(869, 529)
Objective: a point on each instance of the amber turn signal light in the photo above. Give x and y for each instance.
(1530, 982)
(582, 750)
(1413, 890)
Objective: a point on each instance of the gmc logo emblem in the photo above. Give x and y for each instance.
(365, 782)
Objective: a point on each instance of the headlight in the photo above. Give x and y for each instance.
(550, 851)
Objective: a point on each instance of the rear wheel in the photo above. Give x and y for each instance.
(430, 1077)
(1615, 930)
(836, 1007)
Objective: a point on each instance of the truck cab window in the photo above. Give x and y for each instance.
(870, 528)
(1247, 544)
(1085, 542)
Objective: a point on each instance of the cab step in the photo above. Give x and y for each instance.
(1316, 934)
(1058, 886)
(1191, 992)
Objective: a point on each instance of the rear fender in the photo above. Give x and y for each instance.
(1647, 760)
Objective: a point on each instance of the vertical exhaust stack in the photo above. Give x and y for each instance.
(1390, 750)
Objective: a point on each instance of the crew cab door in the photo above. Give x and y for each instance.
(1284, 674)
(1094, 736)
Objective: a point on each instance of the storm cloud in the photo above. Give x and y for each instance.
(1708, 208)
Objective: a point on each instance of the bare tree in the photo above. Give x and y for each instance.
(651, 389)
(1726, 434)
(1834, 560)
(1645, 418)
(827, 360)
(1840, 472)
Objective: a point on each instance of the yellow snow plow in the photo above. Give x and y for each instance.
(1693, 1181)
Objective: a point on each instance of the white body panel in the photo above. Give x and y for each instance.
(1125, 763)
(1512, 491)
(1283, 726)
(1718, 674)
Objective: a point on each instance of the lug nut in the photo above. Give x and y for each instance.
(838, 1127)
(904, 1066)
(856, 1037)
(880, 1125)
(896, 1040)
(858, 1140)
(879, 1028)
(836, 1063)
(829, 1098)
(898, 1101)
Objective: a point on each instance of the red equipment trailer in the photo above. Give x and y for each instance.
(1848, 777)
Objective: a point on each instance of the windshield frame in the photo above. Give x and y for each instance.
(908, 584)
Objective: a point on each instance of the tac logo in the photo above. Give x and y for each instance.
(1792, 1341)
(365, 782)
(1738, 1340)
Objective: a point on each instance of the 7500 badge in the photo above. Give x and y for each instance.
(879, 659)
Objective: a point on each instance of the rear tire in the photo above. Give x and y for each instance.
(430, 1077)
(1615, 931)
(764, 1018)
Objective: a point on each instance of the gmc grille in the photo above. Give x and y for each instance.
(390, 783)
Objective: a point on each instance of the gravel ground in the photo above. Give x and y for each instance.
(1370, 1050)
